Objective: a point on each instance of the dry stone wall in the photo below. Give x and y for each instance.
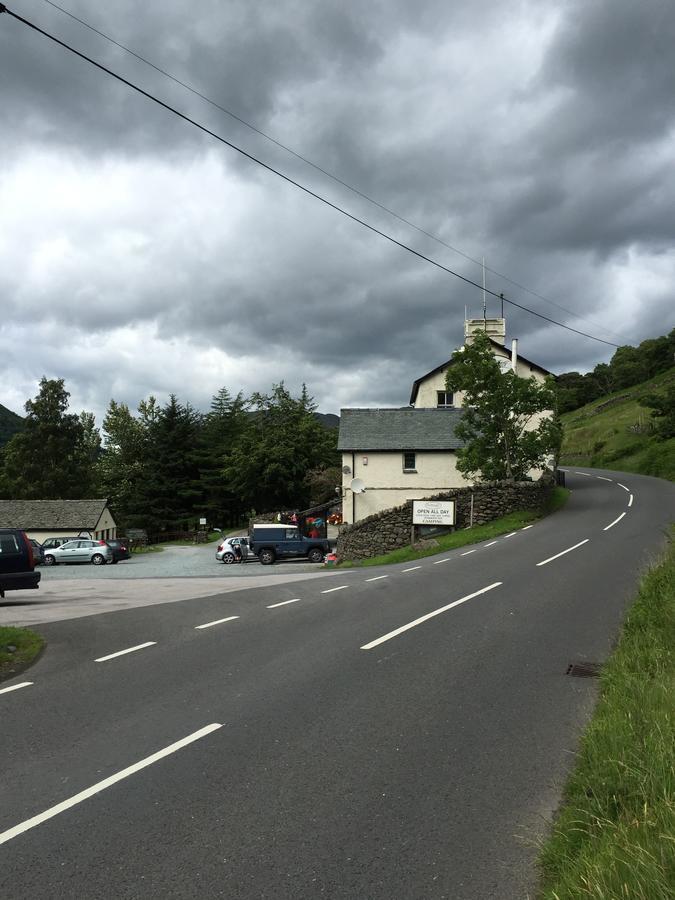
(391, 529)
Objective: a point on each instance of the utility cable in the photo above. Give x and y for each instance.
(297, 184)
(318, 168)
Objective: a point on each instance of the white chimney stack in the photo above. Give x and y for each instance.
(514, 355)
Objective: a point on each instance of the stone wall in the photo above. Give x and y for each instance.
(391, 529)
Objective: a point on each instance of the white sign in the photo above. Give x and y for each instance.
(433, 512)
(202, 521)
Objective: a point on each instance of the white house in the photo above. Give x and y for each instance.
(411, 452)
(42, 519)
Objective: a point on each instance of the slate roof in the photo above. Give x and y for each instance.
(417, 382)
(51, 514)
(399, 429)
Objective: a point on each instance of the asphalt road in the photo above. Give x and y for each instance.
(305, 743)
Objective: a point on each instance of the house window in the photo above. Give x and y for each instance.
(444, 400)
(409, 461)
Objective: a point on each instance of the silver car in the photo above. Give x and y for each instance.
(79, 551)
(226, 552)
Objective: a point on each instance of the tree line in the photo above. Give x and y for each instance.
(628, 366)
(164, 466)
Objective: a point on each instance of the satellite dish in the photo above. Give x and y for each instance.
(357, 486)
(346, 470)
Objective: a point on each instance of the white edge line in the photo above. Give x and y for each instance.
(439, 561)
(623, 486)
(15, 687)
(217, 622)
(283, 603)
(525, 527)
(467, 552)
(128, 650)
(412, 569)
(569, 550)
(377, 578)
(436, 612)
(630, 500)
(106, 783)
(330, 590)
(602, 478)
(611, 524)
(492, 543)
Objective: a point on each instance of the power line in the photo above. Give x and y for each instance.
(289, 180)
(318, 168)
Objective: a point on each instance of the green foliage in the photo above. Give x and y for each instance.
(322, 482)
(27, 646)
(268, 463)
(663, 410)
(504, 433)
(122, 465)
(52, 456)
(10, 423)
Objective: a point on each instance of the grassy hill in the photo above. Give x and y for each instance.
(615, 432)
(10, 423)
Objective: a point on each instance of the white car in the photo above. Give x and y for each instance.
(226, 552)
(80, 550)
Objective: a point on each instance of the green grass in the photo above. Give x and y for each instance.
(467, 536)
(605, 436)
(149, 548)
(615, 834)
(28, 644)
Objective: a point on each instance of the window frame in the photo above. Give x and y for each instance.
(413, 454)
(446, 405)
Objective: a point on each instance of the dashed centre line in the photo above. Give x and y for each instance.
(525, 527)
(439, 561)
(602, 478)
(330, 590)
(510, 534)
(612, 524)
(630, 500)
(623, 486)
(492, 543)
(563, 552)
(217, 622)
(15, 687)
(467, 552)
(123, 652)
(106, 783)
(436, 612)
(412, 568)
(377, 578)
(283, 603)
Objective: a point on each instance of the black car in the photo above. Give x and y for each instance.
(120, 549)
(16, 561)
(38, 552)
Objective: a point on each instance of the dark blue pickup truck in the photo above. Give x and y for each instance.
(17, 565)
(271, 542)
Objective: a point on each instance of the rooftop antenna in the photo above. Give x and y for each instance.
(484, 300)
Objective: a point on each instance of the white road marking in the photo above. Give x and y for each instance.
(510, 534)
(525, 527)
(584, 473)
(15, 687)
(436, 612)
(611, 524)
(106, 783)
(439, 561)
(623, 486)
(602, 478)
(217, 622)
(630, 500)
(492, 543)
(330, 590)
(377, 578)
(128, 650)
(467, 552)
(412, 569)
(569, 550)
(283, 603)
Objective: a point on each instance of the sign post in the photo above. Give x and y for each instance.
(433, 512)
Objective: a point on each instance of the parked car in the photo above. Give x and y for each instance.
(50, 543)
(120, 548)
(38, 552)
(16, 561)
(271, 542)
(86, 551)
(226, 549)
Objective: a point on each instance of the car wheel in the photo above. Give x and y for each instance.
(266, 557)
(228, 558)
(49, 560)
(315, 555)
(98, 560)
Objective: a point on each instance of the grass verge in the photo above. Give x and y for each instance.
(615, 834)
(150, 548)
(28, 645)
(457, 539)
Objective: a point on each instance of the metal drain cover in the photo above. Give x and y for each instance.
(583, 669)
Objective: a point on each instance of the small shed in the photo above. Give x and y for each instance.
(42, 519)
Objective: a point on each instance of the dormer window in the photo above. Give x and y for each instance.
(444, 400)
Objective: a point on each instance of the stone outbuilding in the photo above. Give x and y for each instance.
(42, 519)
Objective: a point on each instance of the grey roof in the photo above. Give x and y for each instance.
(51, 514)
(399, 429)
(532, 365)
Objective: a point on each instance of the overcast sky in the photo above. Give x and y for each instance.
(139, 256)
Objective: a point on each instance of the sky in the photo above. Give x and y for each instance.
(140, 256)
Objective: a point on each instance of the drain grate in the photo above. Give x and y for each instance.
(583, 669)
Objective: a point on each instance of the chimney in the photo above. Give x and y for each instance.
(514, 354)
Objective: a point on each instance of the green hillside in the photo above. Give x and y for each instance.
(10, 423)
(615, 432)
